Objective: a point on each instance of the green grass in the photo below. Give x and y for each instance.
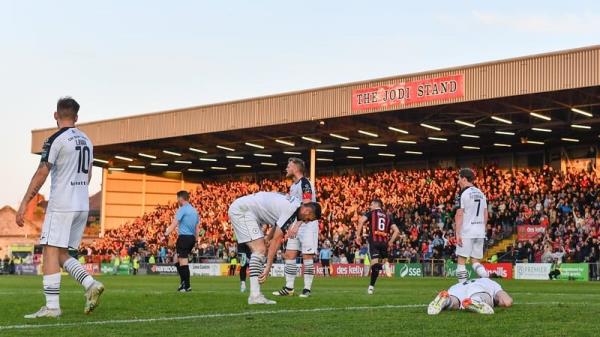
(542, 308)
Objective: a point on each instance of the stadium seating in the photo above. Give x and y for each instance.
(422, 201)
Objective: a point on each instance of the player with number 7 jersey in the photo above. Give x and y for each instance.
(470, 222)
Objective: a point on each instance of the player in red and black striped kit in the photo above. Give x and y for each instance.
(381, 225)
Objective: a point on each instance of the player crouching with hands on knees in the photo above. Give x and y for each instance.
(307, 213)
(285, 213)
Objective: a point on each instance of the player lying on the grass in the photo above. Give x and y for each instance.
(248, 213)
(479, 295)
(381, 224)
(67, 156)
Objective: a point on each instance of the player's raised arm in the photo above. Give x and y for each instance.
(37, 181)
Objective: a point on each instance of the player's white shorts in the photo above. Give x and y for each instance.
(63, 229)
(459, 291)
(306, 240)
(244, 222)
(481, 292)
(483, 288)
(470, 248)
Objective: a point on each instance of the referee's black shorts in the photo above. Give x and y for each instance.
(184, 246)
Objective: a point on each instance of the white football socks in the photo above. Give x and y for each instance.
(52, 290)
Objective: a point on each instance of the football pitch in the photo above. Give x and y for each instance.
(149, 306)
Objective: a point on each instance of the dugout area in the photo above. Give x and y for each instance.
(521, 112)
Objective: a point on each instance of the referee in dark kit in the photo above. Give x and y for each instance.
(186, 220)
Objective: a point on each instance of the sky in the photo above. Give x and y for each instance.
(120, 58)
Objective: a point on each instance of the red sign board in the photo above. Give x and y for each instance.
(504, 270)
(92, 268)
(431, 89)
(529, 232)
(354, 270)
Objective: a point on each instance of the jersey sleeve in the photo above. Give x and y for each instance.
(463, 200)
(179, 214)
(307, 190)
(91, 147)
(368, 215)
(288, 216)
(50, 151)
(286, 221)
(496, 288)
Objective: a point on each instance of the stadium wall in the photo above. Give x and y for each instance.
(130, 195)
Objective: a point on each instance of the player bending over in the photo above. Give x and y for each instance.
(249, 212)
(381, 224)
(479, 295)
(306, 241)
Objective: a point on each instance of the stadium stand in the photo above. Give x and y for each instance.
(422, 202)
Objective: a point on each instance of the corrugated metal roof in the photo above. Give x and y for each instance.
(548, 72)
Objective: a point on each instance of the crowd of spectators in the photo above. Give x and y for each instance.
(421, 201)
(568, 207)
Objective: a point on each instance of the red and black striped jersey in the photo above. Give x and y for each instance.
(380, 224)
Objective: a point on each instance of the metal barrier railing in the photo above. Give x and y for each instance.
(434, 267)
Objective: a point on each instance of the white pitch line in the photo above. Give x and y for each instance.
(235, 314)
(219, 315)
(554, 294)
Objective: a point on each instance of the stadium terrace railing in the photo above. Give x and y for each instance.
(434, 267)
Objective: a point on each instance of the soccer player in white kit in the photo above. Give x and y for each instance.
(306, 241)
(479, 295)
(67, 156)
(248, 213)
(470, 221)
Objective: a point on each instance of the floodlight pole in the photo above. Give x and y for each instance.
(103, 203)
(313, 164)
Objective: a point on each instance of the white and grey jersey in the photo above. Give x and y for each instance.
(271, 208)
(71, 154)
(303, 189)
(474, 204)
(471, 287)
